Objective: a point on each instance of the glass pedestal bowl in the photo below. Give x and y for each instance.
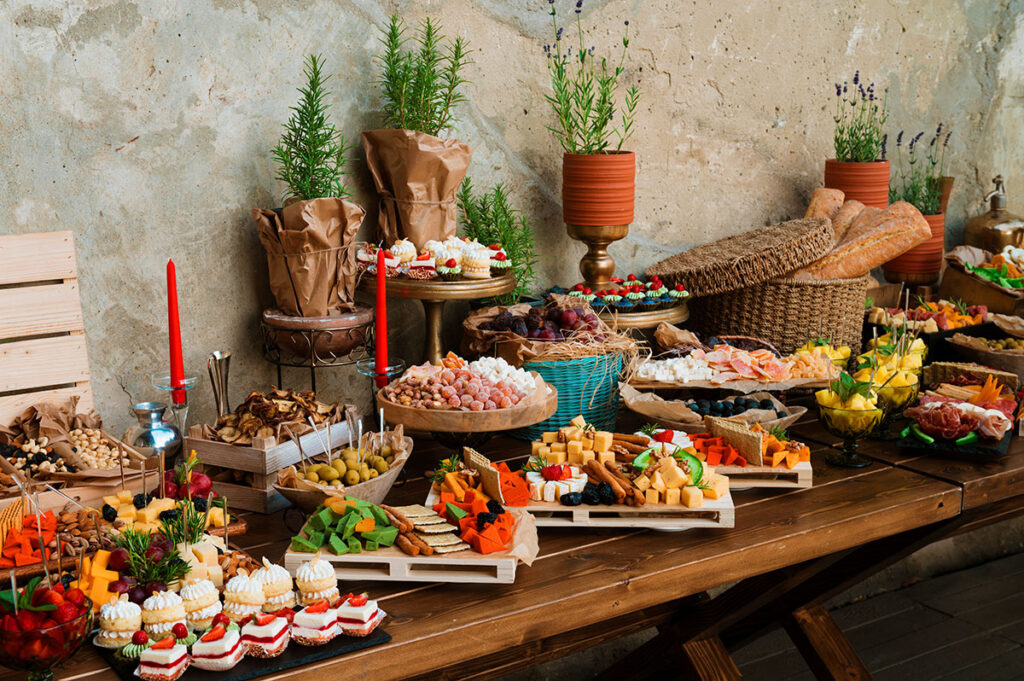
(851, 425)
(38, 651)
(893, 400)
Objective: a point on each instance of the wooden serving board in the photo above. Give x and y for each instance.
(390, 564)
(778, 477)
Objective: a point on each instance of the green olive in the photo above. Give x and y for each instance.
(352, 477)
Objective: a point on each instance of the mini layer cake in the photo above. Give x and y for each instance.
(218, 650)
(358, 616)
(476, 264)
(119, 619)
(202, 602)
(315, 625)
(422, 267)
(160, 612)
(165, 660)
(265, 635)
(404, 250)
(277, 586)
(316, 580)
(366, 257)
(242, 597)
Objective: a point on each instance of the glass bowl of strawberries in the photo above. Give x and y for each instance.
(40, 627)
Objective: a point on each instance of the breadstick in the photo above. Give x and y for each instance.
(425, 548)
(602, 474)
(403, 543)
(637, 496)
(632, 448)
(634, 439)
(402, 527)
(404, 524)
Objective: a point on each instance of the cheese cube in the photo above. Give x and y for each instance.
(99, 593)
(716, 486)
(216, 518)
(125, 495)
(572, 433)
(165, 504)
(658, 482)
(605, 457)
(672, 496)
(216, 540)
(602, 441)
(215, 574)
(674, 476)
(578, 421)
(558, 447)
(145, 527)
(691, 497)
(199, 572)
(652, 496)
(205, 552)
(587, 455)
(535, 447)
(575, 458)
(542, 452)
(112, 500)
(126, 512)
(147, 515)
(573, 447)
(548, 438)
(642, 482)
(99, 562)
(555, 458)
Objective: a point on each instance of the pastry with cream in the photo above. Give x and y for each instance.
(358, 615)
(265, 635)
(119, 619)
(277, 586)
(316, 580)
(165, 660)
(476, 264)
(404, 250)
(160, 612)
(242, 597)
(202, 601)
(315, 624)
(218, 650)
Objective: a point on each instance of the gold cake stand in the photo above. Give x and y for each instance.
(646, 320)
(434, 293)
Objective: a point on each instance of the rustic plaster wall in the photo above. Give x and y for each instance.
(144, 125)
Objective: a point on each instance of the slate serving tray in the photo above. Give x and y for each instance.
(294, 655)
(976, 452)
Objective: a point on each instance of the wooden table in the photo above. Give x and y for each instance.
(790, 550)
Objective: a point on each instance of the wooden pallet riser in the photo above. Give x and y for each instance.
(247, 498)
(801, 476)
(724, 518)
(388, 567)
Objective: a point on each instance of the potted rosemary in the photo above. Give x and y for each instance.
(309, 241)
(416, 172)
(598, 175)
(859, 168)
(919, 181)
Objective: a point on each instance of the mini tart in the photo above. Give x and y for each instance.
(277, 586)
(266, 640)
(119, 620)
(160, 612)
(219, 655)
(315, 628)
(316, 580)
(166, 664)
(359, 620)
(130, 652)
(449, 273)
(202, 601)
(366, 257)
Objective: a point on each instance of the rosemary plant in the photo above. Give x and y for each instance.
(169, 568)
(490, 219)
(917, 177)
(421, 86)
(312, 154)
(584, 91)
(860, 117)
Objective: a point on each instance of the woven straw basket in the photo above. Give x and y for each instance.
(785, 312)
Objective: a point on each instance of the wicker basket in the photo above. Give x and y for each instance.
(587, 386)
(786, 312)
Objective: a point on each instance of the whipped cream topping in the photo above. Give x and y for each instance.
(313, 571)
(432, 246)
(281, 598)
(161, 600)
(317, 595)
(243, 584)
(205, 613)
(162, 627)
(194, 590)
(270, 573)
(120, 609)
(240, 608)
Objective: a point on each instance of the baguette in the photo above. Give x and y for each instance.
(866, 220)
(845, 217)
(825, 203)
(902, 228)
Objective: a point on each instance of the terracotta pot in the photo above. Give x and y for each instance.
(921, 264)
(598, 189)
(865, 182)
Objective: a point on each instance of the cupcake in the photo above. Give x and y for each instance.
(242, 597)
(635, 295)
(422, 267)
(119, 620)
(432, 247)
(500, 264)
(404, 250)
(315, 624)
(277, 586)
(366, 257)
(316, 580)
(450, 270)
(625, 305)
(160, 612)
(218, 650)
(165, 660)
(132, 651)
(678, 293)
(265, 635)
(612, 297)
(183, 634)
(476, 264)
(202, 601)
(358, 616)
(666, 301)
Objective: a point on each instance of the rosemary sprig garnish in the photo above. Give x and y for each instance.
(168, 569)
(186, 527)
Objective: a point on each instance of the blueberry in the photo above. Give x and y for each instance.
(109, 513)
(169, 514)
(495, 507)
(572, 499)
(485, 519)
(591, 496)
(780, 414)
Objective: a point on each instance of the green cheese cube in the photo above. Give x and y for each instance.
(309, 527)
(350, 525)
(315, 538)
(336, 546)
(302, 546)
(354, 546)
(383, 536)
(321, 520)
(380, 516)
(371, 545)
(361, 503)
(455, 512)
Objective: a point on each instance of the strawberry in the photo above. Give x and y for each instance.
(387, 255)
(552, 472)
(577, 287)
(28, 620)
(263, 619)
(39, 595)
(450, 262)
(179, 630)
(214, 634)
(52, 596)
(140, 638)
(424, 256)
(631, 277)
(495, 247)
(500, 257)
(358, 601)
(66, 612)
(286, 613)
(9, 623)
(663, 436)
(76, 596)
(680, 287)
(318, 607)
(164, 643)
(586, 291)
(59, 588)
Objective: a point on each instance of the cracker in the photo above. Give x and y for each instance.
(461, 546)
(433, 520)
(435, 540)
(438, 528)
(415, 511)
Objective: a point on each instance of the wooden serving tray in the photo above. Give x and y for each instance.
(777, 477)
(390, 564)
(254, 667)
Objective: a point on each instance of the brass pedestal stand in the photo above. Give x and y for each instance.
(597, 266)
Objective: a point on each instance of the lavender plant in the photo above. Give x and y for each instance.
(584, 90)
(860, 117)
(917, 179)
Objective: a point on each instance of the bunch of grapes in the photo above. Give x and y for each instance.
(551, 324)
(453, 389)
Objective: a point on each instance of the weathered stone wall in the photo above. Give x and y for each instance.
(144, 127)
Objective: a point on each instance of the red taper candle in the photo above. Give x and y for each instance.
(174, 333)
(380, 355)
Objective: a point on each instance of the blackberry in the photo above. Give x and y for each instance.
(38, 458)
(109, 513)
(485, 519)
(139, 500)
(604, 491)
(199, 504)
(494, 507)
(66, 579)
(572, 499)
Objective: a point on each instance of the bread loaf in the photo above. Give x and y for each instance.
(868, 219)
(824, 203)
(899, 228)
(845, 217)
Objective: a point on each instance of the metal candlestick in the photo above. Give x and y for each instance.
(179, 411)
(217, 364)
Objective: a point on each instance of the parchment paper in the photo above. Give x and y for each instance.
(675, 413)
(961, 256)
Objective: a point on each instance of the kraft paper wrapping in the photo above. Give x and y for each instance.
(675, 413)
(417, 176)
(55, 419)
(310, 255)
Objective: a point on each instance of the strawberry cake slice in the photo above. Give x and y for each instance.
(218, 650)
(265, 635)
(358, 616)
(165, 660)
(315, 624)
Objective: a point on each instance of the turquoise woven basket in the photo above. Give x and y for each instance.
(587, 386)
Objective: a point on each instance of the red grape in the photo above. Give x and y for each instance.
(119, 587)
(118, 560)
